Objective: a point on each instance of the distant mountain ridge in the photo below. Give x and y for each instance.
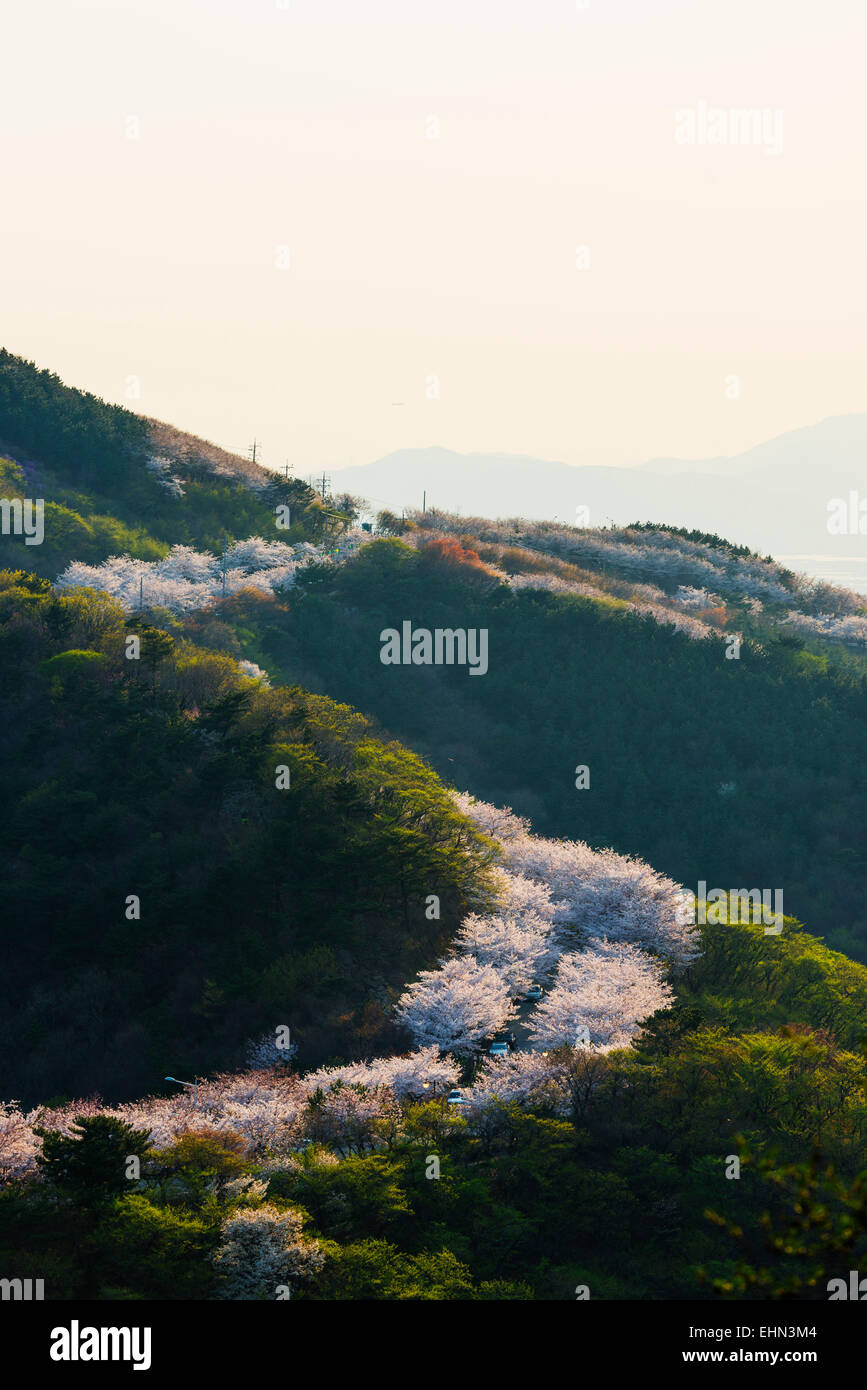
(773, 497)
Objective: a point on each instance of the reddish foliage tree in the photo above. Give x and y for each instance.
(447, 553)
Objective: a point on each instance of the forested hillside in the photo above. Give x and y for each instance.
(115, 483)
(156, 778)
(212, 838)
(607, 1171)
(738, 772)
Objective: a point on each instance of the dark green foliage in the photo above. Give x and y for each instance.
(90, 1165)
(259, 906)
(663, 722)
(93, 442)
(809, 1241)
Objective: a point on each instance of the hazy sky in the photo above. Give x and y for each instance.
(160, 159)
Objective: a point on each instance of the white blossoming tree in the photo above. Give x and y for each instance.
(187, 579)
(456, 1007)
(601, 996)
(599, 892)
(525, 1077)
(263, 1251)
(19, 1145)
(519, 951)
(413, 1075)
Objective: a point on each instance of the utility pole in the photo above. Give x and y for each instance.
(323, 492)
(423, 503)
(252, 449)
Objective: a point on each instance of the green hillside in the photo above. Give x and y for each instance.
(156, 777)
(630, 1195)
(739, 773)
(193, 857)
(89, 462)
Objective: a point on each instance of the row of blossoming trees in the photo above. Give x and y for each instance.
(697, 576)
(188, 579)
(606, 930)
(700, 577)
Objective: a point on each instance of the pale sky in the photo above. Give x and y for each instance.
(264, 125)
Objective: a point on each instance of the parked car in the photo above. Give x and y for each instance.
(498, 1049)
(534, 992)
(455, 1098)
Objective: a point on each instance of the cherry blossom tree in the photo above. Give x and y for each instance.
(254, 672)
(525, 1077)
(519, 951)
(162, 468)
(599, 892)
(607, 990)
(457, 1006)
(262, 1251)
(188, 579)
(412, 1075)
(19, 1145)
(352, 1118)
(850, 628)
(254, 553)
(518, 897)
(500, 822)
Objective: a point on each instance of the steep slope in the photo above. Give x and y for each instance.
(579, 1167)
(746, 772)
(116, 483)
(194, 859)
(190, 857)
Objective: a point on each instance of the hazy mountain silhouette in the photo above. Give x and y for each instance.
(773, 497)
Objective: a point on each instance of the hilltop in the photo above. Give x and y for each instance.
(117, 483)
(723, 743)
(774, 496)
(227, 819)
